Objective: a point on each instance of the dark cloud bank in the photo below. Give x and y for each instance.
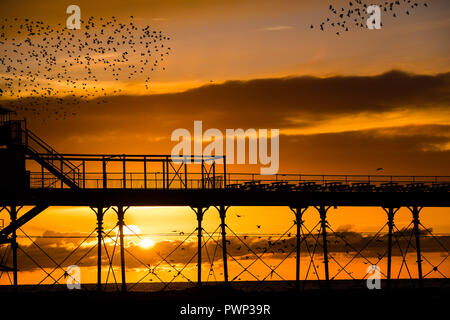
(143, 124)
(273, 247)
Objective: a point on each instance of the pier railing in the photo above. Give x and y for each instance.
(119, 171)
(170, 178)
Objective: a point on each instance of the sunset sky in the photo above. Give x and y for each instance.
(344, 104)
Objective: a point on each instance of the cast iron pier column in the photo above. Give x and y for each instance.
(199, 211)
(391, 213)
(99, 214)
(14, 245)
(323, 218)
(298, 211)
(120, 217)
(222, 213)
(415, 212)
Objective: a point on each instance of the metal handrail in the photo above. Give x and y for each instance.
(50, 155)
(249, 181)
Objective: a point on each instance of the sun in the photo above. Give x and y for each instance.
(146, 243)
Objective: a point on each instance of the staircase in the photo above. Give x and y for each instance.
(51, 160)
(17, 135)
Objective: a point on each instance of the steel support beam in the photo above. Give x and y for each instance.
(120, 217)
(14, 245)
(415, 212)
(199, 211)
(222, 213)
(391, 211)
(298, 211)
(27, 216)
(100, 213)
(323, 218)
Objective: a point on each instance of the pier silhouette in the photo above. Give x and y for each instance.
(37, 176)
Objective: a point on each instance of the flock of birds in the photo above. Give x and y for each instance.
(45, 70)
(355, 15)
(282, 244)
(258, 245)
